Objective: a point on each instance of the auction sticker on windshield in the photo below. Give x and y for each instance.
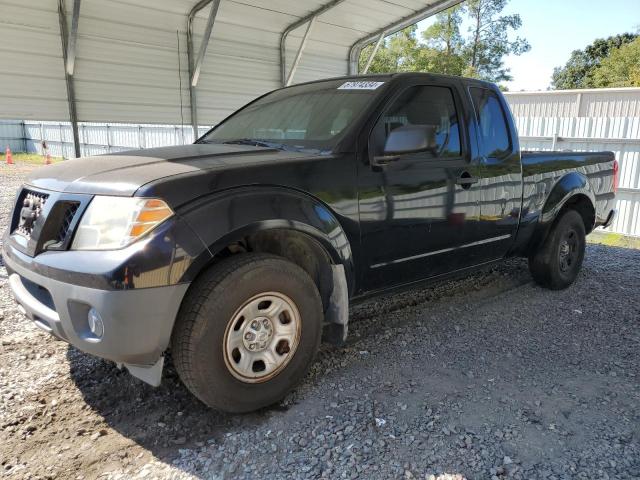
(360, 85)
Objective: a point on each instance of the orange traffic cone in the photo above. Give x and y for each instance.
(47, 159)
(9, 156)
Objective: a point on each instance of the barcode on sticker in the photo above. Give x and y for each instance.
(360, 85)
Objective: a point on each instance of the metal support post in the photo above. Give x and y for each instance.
(71, 95)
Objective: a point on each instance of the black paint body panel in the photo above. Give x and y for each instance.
(390, 226)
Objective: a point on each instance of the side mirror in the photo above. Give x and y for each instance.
(407, 139)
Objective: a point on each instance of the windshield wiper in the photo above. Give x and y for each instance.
(260, 143)
(253, 142)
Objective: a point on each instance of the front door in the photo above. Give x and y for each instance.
(418, 210)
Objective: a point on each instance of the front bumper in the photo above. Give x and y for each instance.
(137, 322)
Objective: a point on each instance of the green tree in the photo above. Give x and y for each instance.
(582, 65)
(445, 50)
(574, 74)
(397, 53)
(489, 39)
(444, 44)
(621, 68)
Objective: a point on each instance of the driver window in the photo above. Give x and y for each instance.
(422, 105)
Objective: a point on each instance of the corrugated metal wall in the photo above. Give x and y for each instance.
(597, 103)
(32, 74)
(588, 120)
(131, 64)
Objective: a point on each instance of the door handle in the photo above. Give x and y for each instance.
(380, 162)
(385, 159)
(465, 180)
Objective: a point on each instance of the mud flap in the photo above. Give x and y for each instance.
(337, 315)
(151, 374)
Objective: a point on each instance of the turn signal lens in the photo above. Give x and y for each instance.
(152, 213)
(157, 214)
(114, 222)
(616, 168)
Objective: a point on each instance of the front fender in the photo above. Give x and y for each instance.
(228, 216)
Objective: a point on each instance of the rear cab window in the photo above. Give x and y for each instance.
(495, 139)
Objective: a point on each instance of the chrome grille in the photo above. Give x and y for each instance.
(32, 205)
(69, 213)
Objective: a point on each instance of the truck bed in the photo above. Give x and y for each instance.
(542, 171)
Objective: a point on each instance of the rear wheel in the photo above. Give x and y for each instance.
(247, 332)
(557, 262)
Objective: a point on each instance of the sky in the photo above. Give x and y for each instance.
(554, 28)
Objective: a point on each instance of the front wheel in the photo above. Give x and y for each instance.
(557, 262)
(247, 332)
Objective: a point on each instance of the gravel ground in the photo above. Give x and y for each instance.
(488, 377)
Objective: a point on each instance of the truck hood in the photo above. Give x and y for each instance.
(124, 173)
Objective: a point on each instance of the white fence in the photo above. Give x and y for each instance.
(588, 120)
(95, 138)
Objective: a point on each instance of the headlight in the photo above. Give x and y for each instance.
(109, 223)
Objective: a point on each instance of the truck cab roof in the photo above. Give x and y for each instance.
(426, 76)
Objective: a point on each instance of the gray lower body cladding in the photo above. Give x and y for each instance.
(136, 324)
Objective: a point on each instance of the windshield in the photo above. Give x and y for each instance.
(313, 116)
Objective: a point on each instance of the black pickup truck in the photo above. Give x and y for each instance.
(239, 253)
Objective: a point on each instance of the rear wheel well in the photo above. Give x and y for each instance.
(295, 246)
(581, 204)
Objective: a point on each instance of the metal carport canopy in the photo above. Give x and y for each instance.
(128, 60)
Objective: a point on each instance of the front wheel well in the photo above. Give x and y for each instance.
(297, 247)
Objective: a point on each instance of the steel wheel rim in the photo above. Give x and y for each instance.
(262, 337)
(568, 251)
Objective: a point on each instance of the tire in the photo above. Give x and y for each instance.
(223, 316)
(556, 264)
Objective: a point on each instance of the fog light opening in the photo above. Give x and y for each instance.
(96, 326)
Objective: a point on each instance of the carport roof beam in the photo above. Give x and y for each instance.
(374, 51)
(433, 9)
(283, 38)
(205, 42)
(193, 78)
(303, 44)
(73, 36)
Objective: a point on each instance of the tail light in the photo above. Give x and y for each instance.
(616, 168)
